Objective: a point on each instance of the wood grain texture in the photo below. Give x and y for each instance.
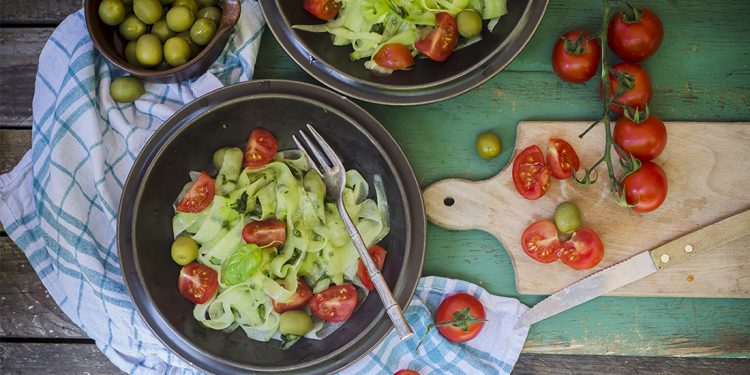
(19, 49)
(48, 12)
(48, 358)
(13, 145)
(701, 162)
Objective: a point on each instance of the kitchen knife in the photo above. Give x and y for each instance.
(639, 266)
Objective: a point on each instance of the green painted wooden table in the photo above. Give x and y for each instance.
(700, 72)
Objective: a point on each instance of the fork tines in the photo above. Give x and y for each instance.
(328, 162)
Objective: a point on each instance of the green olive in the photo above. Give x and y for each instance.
(184, 250)
(194, 48)
(180, 18)
(211, 13)
(132, 28)
(207, 3)
(166, 2)
(567, 217)
(469, 23)
(126, 89)
(191, 4)
(162, 31)
(130, 54)
(112, 12)
(488, 145)
(295, 322)
(148, 50)
(203, 31)
(149, 11)
(176, 51)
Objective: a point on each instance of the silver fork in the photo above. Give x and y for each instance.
(332, 171)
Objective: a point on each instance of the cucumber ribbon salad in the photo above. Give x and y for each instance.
(263, 250)
(392, 32)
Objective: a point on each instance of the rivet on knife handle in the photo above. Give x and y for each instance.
(709, 237)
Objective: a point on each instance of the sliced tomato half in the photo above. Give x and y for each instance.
(377, 254)
(266, 233)
(297, 301)
(199, 195)
(335, 304)
(562, 159)
(440, 42)
(584, 250)
(322, 9)
(260, 148)
(531, 173)
(197, 282)
(540, 241)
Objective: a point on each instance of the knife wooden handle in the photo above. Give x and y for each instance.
(702, 240)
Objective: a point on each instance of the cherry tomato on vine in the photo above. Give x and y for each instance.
(646, 187)
(583, 250)
(322, 9)
(540, 242)
(394, 56)
(531, 173)
(575, 57)
(440, 42)
(460, 307)
(635, 35)
(199, 195)
(561, 158)
(636, 96)
(645, 141)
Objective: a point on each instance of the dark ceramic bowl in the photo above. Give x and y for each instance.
(111, 44)
(186, 142)
(427, 81)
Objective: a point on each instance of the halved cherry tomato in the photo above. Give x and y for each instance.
(637, 96)
(335, 304)
(439, 43)
(260, 148)
(539, 241)
(266, 233)
(645, 140)
(574, 61)
(451, 309)
(583, 250)
(297, 301)
(406, 372)
(322, 9)
(561, 158)
(647, 187)
(635, 37)
(531, 173)
(377, 254)
(198, 196)
(394, 56)
(197, 282)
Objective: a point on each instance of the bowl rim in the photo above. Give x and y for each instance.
(170, 130)
(397, 95)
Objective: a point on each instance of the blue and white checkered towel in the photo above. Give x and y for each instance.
(60, 206)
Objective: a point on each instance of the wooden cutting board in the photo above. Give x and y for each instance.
(708, 167)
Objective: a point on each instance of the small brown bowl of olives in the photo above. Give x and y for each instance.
(161, 40)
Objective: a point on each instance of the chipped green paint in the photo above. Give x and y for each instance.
(701, 72)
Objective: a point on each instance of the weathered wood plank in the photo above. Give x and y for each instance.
(13, 145)
(19, 55)
(46, 12)
(46, 358)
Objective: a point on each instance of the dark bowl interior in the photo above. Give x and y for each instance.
(186, 143)
(111, 44)
(427, 81)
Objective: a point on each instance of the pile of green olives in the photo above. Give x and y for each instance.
(162, 33)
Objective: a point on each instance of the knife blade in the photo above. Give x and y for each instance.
(639, 266)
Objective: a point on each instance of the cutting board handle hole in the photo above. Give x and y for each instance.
(449, 201)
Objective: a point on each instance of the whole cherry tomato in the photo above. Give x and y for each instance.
(575, 56)
(635, 35)
(646, 187)
(636, 87)
(459, 309)
(645, 140)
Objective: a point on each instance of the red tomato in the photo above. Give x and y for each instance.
(583, 250)
(260, 148)
(197, 282)
(453, 306)
(636, 36)
(647, 186)
(377, 254)
(297, 301)
(561, 159)
(638, 96)
(573, 61)
(335, 304)
(439, 43)
(323, 9)
(531, 173)
(266, 233)
(539, 241)
(406, 372)
(394, 56)
(645, 141)
(198, 196)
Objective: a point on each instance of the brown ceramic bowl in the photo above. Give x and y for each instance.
(111, 44)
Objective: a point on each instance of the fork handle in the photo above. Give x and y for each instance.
(391, 306)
